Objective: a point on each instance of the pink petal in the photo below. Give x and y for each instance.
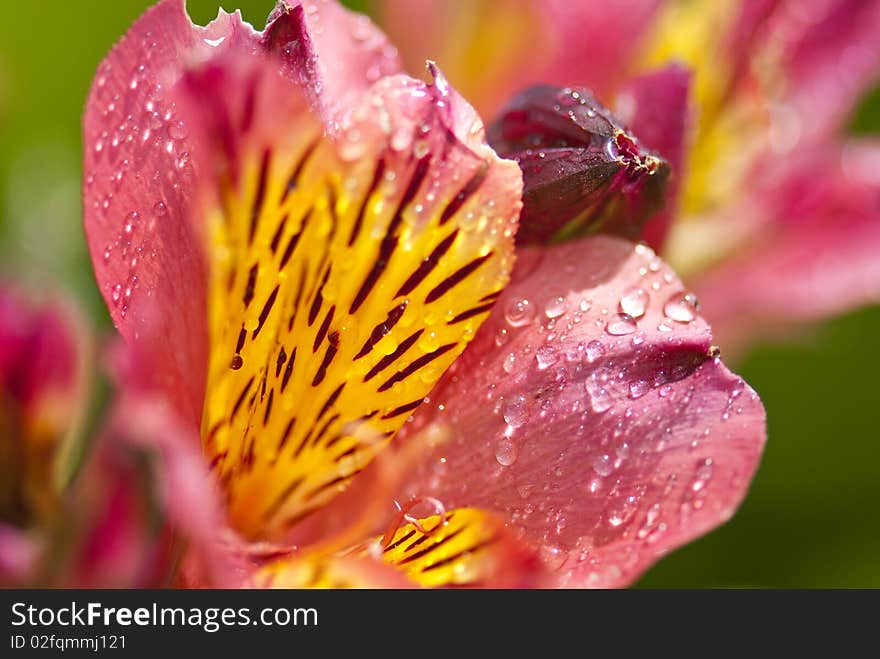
(597, 40)
(655, 107)
(831, 51)
(139, 171)
(334, 53)
(565, 43)
(816, 252)
(606, 439)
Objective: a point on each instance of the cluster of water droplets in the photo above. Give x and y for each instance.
(570, 359)
(138, 142)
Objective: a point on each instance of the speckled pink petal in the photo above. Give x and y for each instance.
(591, 413)
(334, 53)
(816, 255)
(138, 178)
(655, 108)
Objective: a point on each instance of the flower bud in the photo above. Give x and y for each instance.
(582, 171)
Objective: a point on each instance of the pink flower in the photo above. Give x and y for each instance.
(297, 242)
(777, 221)
(43, 385)
(66, 519)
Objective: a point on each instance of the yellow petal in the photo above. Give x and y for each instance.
(464, 547)
(345, 277)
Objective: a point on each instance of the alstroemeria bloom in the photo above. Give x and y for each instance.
(297, 241)
(778, 221)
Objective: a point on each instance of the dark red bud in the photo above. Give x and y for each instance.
(582, 171)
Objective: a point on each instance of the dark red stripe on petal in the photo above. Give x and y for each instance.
(403, 409)
(322, 330)
(456, 278)
(260, 197)
(466, 193)
(359, 221)
(382, 329)
(417, 364)
(267, 309)
(470, 313)
(387, 360)
(427, 265)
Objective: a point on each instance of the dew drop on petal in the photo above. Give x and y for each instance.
(621, 324)
(634, 302)
(603, 465)
(519, 312)
(555, 306)
(681, 307)
(546, 356)
(638, 388)
(594, 350)
(506, 452)
(515, 411)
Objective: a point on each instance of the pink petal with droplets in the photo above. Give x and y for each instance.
(816, 254)
(589, 412)
(655, 107)
(139, 171)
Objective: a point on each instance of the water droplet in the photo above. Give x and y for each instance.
(177, 130)
(704, 473)
(519, 312)
(594, 351)
(623, 510)
(506, 452)
(681, 307)
(603, 465)
(621, 324)
(555, 306)
(515, 411)
(638, 388)
(546, 356)
(509, 363)
(634, 302)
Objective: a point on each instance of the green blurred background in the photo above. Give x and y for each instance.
(811, 518)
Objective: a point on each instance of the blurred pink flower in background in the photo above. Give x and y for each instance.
(66, 518)
(296, 242)
(778, 219)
